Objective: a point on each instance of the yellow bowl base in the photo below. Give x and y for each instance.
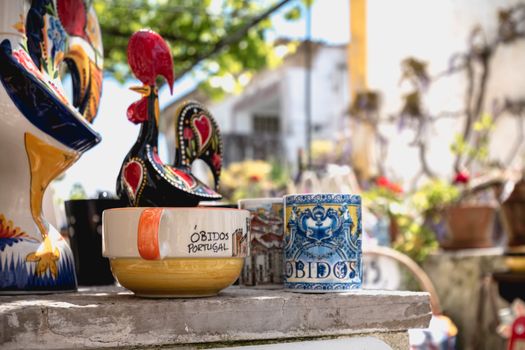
(177, 277)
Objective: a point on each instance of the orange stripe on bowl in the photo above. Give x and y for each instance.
(148, 233)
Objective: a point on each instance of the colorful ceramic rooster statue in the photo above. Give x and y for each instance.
(144, 180)
(41, 132)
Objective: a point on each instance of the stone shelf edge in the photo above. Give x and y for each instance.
(113, 317)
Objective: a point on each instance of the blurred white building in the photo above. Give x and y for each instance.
(267, 120)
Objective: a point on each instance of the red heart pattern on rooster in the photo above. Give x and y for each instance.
(203, 126)
(133, 177)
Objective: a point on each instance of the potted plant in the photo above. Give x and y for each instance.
(398, 223)
(469, 225)
(461, 213)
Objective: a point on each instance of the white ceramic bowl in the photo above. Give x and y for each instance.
(175, 252)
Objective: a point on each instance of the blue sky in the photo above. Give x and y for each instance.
(98, 168)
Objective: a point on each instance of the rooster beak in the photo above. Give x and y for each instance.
(144, 90)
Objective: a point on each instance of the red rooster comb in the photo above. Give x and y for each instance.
(150, 56)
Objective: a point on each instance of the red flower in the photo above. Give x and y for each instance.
(462, 177)
(395, 188)
(255, 178)
(382, 181)
(187, 133)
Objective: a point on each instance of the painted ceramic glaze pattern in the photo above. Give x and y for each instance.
(144, 180)
(322, 242)
(42, 132)
(198, 137)
(265, 263)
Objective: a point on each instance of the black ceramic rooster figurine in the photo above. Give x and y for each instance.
(144, 180)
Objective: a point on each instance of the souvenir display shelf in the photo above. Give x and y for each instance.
(111, 317)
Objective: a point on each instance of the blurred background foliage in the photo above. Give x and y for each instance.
(195, 30)
(407, 230)
(253, 179)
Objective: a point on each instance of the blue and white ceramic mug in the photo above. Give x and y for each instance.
(322, 242)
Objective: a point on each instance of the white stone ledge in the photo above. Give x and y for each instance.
(113, 317)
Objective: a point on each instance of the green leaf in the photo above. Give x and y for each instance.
(485, 123)
(308, 3)
(459, 146)
(293, 14)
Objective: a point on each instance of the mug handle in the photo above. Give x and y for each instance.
(148, 233)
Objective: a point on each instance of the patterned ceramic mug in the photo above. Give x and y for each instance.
(322, 242)
(265, 263)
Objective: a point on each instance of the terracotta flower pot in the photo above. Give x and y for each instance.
(469, 226)
(514, 216)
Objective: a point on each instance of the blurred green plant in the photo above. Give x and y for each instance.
(414, 239)
(434, 195)
(253, 179)
(407, 227)
(77, 191)
(196, 32)
(480, 152)
(384, 198)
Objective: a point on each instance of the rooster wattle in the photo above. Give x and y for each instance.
(144, 180)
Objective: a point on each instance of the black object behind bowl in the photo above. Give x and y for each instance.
(84, 219)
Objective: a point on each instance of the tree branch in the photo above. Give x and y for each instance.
(232, 38)
(485, 74)
(513, 154)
